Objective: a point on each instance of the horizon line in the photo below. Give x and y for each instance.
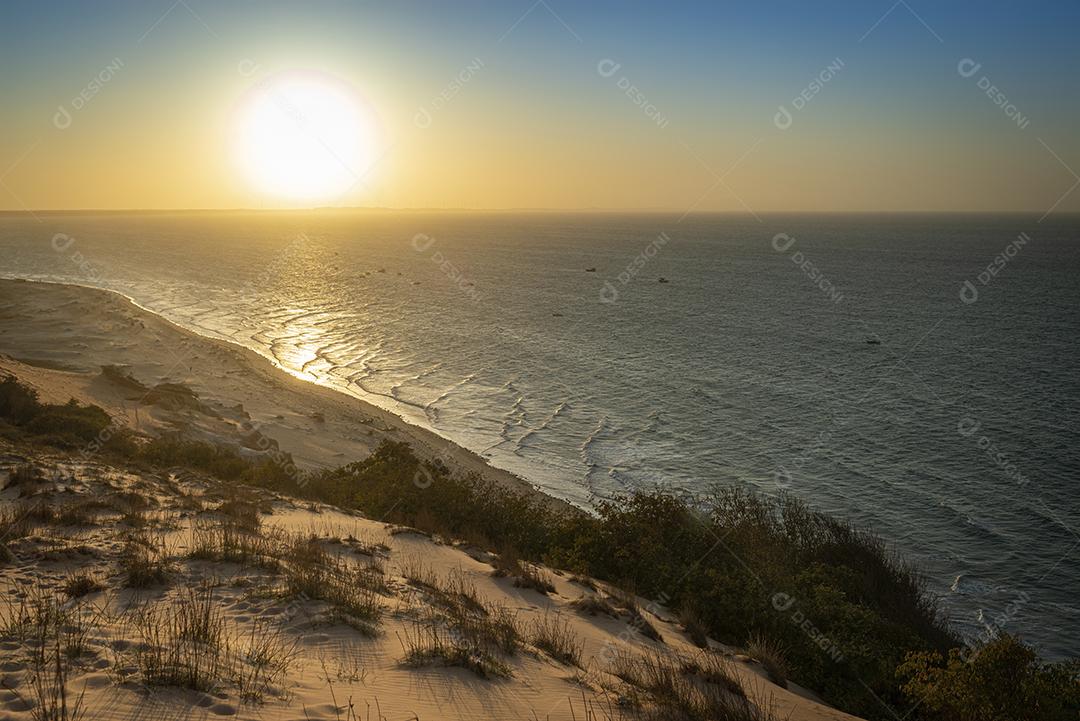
(521, 209)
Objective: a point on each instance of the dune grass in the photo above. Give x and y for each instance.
(668, 687)
(187, 643)
(556, 637)
(426, 643)
(871, 606)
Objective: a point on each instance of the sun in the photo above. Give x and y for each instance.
(305, 137)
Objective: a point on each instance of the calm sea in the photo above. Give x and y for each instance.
(916, 374)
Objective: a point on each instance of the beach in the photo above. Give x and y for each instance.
(59, 337)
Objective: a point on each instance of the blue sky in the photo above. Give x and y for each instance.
(716, 71)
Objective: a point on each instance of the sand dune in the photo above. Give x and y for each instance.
(317, 654)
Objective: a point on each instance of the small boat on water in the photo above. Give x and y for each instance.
(662, 279)
(590, 270)
(873, 341)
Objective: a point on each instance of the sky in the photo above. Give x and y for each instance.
(746, 107)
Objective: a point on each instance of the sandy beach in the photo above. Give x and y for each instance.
(59, 337)
(280, 653)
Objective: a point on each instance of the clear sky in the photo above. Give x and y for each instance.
(910, 105)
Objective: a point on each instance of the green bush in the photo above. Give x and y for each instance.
(224, 463)
(727, 556)
(18, 403)
(1001, 681)
(68, 425)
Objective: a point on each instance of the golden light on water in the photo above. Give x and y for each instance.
(305, 137)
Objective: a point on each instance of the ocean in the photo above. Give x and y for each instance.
(916, 374)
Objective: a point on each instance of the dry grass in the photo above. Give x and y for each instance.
(229, 544)
(143, 563)
(493, 628)
(241, 513)
(694, 626)
(52, 634)
(187, 644)
(771, 657)
(525, 575)
(593, 605)
(583, 581)
(264, 658)
(76, 514)
(427, 644)
(353, 590)
(16, 522)
(713, 668)
(555, 637)
(628, 604)
(667, 687)
(25, 474)
(77, 585)
(47, 678)
(454, 592)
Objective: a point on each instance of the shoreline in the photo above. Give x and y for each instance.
(321, 433)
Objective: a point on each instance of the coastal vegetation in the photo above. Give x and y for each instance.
(818, 602)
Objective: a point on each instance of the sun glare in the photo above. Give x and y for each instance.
(305, 137)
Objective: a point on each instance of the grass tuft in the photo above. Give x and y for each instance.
(77, 585)
(555, 637)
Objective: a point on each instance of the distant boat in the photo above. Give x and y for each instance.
(873, 341)
(662, 279)
(590, 270)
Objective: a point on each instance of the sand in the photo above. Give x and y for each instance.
(58, 337)
(280, 653)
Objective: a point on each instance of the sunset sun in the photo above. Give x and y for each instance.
(304, 137)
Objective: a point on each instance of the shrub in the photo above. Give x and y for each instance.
(1001, 681)
(69, 425)
(18, 402)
